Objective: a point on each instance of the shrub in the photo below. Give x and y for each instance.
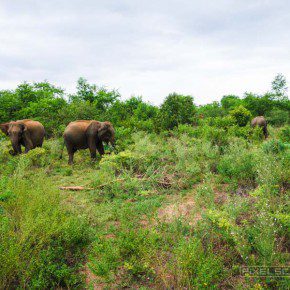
(278, 117)
(274, 146)
(186, 129)
(241, 115)
(196, 266)
(237, 164)
(41, 244)
(194, 158)
(221, 122)
(217, 136)
(284, 134)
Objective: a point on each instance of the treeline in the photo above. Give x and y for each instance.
(55, 109)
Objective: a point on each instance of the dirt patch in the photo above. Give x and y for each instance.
(221, 194)
(92, 280)
(220, 197)
(184, 208)
(144, 223)
(110, 236)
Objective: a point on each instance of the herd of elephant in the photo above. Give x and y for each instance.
(80, 134)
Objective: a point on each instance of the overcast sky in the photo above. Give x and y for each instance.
(151, 48)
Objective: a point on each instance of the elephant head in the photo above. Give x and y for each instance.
(17, 133)
(103, 131)
(106, 133)
(4, 128)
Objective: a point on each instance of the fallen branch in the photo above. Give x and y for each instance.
(75, 188)
(163, 183)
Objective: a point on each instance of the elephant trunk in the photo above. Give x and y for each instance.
(112, 142)
(16, 146)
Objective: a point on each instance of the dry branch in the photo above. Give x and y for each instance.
(75, 188)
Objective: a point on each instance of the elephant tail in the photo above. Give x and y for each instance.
(60, 156)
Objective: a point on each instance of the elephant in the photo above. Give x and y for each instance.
(261, 122)
(83, 134)
(26, 132)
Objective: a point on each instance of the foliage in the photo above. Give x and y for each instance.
(278, 117)
(49, 104)
(241, 115)
(284, 134)
(41, 243)
(230, 101)
(279, 86)
(175, 110)
(211, 111)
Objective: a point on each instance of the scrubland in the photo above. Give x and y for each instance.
(182, 208)
(191, 195)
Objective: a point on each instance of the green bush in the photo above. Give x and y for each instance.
(196, 266)
(278, 117)
(275, 146)
(284, 134)
(241, 115)
(238, 164)
(221, 122)
(41, 243)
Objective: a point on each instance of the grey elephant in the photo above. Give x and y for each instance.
(83, 134)
(27, 133)
(261, 122)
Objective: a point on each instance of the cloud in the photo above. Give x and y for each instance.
(149, 48)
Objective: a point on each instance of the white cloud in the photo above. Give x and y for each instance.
(150, 48)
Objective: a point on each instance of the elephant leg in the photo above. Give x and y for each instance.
(70, 152)
(100, 148)
(17, 149)
(71, 157)
(93, 151)
(27, 142)
(265, 131)
(12, 152)
(27, 148)
(92, 147)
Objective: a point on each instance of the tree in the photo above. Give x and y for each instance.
(279, 86)
(176, 109)
(258, 105)
(230, 101)
(101, 98)
(10, 104)
(30, 93)
(211, 110)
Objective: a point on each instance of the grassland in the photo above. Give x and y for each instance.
(183, 209)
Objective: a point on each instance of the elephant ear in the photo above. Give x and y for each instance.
(93, 128)
(23, 127)
(4, 128)
(104, 129)
(26, 135)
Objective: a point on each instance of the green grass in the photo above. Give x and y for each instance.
(182, 211)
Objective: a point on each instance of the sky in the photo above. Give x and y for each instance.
(149, 48)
